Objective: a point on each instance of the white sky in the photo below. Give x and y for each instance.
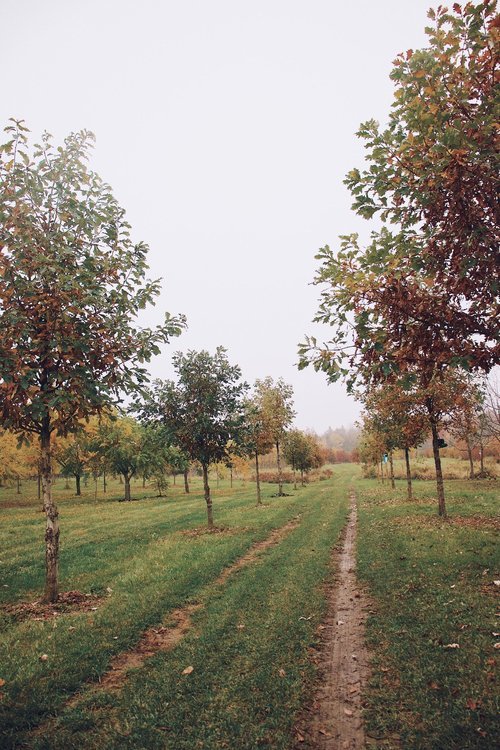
(225, 128)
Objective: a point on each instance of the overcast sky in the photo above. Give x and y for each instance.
(225, 128)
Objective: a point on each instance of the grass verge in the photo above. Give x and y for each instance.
(433, 586)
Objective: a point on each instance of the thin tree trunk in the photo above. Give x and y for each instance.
(51, 516)
(481, 458)
(408, 473)
(39, 486)
(257, 478)
(78, 486)
(231, 477)
(104, 482)
(143, 481)
(302, 478)
(382, 471)
(175, 478)
(18, 485)
(391, 464)
(128, 495)
(280, 477)
(437, 462)
(471, 460)
(294, 478)
(186, 481)
(208, 498)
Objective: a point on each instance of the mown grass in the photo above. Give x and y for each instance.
(432, 585)
(236, 696)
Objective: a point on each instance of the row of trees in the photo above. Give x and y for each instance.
(419, 303)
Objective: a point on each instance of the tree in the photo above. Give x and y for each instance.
(259, 438)
(421, 297)
(400, 420)
(203, 411)
(71, 285)
(466, 419)
(125, 448)
(302, 452)
(274, 401)
(72, 456)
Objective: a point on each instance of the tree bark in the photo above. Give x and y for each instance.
(280, 476)
(257, 478)
(186, 481)
(51, 517)
(302, 478)
(78, 486)
(208, 498)
(481, 458)
(437, 463)
(471, 460)
(126, 477)
(408, 474)
(104, 482)
(231, 477)
(391, 464)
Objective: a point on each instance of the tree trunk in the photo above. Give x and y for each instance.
(143, 481)
(104, 483)
(78, 487)
(186, 482)
(126, 478)
(18, 485)
(471, 460)
(382, 471)
(408, 473)
(175, 478)
(302, 478)
(51, 516)
(391, 464)
(437, 463)
(39, 486)
(208, 498)
(257, 479)
(280, 477)
(231, 477)
(481, 457)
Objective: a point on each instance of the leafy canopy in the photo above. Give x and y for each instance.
(72, 283)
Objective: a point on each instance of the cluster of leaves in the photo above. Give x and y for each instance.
(423, 295)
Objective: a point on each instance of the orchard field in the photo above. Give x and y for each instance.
(243, 607)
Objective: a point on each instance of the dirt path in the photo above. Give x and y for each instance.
(335, 719)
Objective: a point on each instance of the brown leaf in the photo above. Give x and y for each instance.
(472, 704)
(188, 670)
(348, 712)
(44, 657)
(281, 672)
(2, 682)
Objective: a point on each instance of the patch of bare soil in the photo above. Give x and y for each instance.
(435, 521)
(68, 601)
(334, 721)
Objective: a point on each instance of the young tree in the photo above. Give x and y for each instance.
(203, 412)
(259, 438)
(122, 444)
(71, 285)
(274, 400)
(72, 456)
(302, 452)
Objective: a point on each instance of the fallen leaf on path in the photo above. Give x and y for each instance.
(348, 712)
(188, 670)
(300, 737)
(472, 704)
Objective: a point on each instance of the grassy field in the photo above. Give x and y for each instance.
(430, 581)
(247, 683)
(432, 585)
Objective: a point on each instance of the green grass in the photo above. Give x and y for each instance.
(235, 696)
(432, 584)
